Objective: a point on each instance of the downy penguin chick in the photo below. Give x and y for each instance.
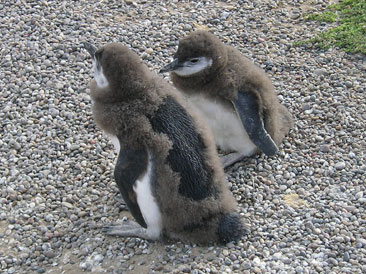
(168, 170)
(235, 97)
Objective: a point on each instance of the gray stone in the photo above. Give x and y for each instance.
(340, 165)
(321, 71)
(324, 148)
(49, 253)
(359, 195)
(348, 84)
(362, 241)
(54, 112)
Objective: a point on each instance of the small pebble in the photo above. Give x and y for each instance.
(340, 165)
(56, 174)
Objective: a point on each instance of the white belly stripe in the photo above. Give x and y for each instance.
(148, 206)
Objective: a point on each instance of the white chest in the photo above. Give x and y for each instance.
(225, 125)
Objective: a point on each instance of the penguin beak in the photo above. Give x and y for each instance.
(90, 48)
(170, 67)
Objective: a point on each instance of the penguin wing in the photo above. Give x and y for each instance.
(131, 165)
(247, 109)
(186, 157)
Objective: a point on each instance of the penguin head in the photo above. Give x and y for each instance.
(118, 72)
(198, 53)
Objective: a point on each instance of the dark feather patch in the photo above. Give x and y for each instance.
(131, 165)
(186, 156)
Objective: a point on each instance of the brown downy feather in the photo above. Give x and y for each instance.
(124, 109)
(229, 73)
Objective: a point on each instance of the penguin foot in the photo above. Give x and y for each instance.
(230, 159)
(130, 229)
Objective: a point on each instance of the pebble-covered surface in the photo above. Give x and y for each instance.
(305, 206)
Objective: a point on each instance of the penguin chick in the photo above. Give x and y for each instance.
(167, 171)
(235, 97)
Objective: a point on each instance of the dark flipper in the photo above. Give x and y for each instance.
(131, 165)
(248, 110)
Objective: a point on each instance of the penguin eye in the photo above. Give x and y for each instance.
(194, 60)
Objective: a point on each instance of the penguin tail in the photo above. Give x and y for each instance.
(231, 228)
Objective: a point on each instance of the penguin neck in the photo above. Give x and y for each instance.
(199, 81)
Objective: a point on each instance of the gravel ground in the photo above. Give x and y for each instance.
(305, 206)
